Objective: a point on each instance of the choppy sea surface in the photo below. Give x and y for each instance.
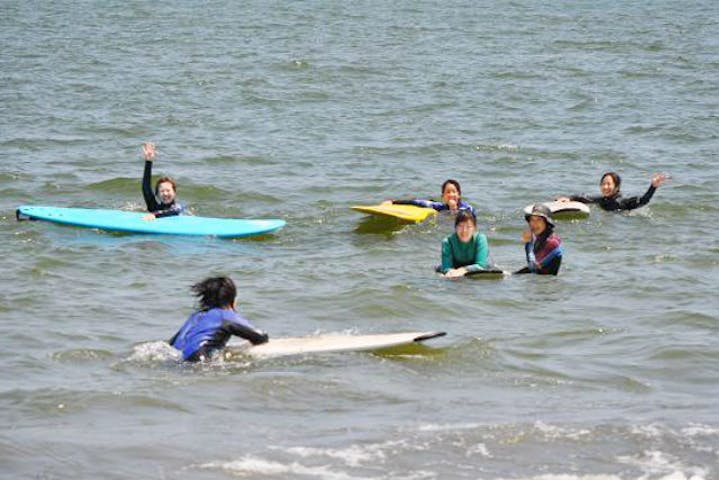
(299, 110)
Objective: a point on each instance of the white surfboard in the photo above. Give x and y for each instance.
(279, 347)
(563, 209)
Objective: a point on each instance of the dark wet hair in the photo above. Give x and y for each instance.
(452, 182)
(215, 292)
(617, 180)
(465, 216)
(163, 180)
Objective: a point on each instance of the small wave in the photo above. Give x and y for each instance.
(163, 354)
(503, 147)
(352, 456)
(154, 352)
(250, 466)
(82, 355)
(655, 462)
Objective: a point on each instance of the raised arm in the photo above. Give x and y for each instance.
(635, 202)
(149, 154)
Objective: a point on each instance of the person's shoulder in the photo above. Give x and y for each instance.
(480, 237)
(554, 239)
(226, 313)
(450, 239)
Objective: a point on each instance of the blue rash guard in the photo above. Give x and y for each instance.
(439, 206)
(207, 331)
(158, 209)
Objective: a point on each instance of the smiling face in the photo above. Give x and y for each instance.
(450, 194)
(465, 230)
(607, 186)
(537, 225)
(166, 192)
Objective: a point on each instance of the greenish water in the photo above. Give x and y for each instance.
(299, 111)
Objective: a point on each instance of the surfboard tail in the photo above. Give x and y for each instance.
(429, 335)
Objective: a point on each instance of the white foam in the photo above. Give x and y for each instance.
(562, 476)
(448, 427)
(480, 449)
(554, 432)
(698, 430)
(250, 466)
(154, 352)
(655, 462)
(650, 431)
(352, 456)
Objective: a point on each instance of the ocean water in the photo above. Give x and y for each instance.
(299, 110)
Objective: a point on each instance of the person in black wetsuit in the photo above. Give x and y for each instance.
(209, 329)
(165, 190)
(611, 199)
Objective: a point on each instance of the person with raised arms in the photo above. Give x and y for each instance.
(466, 250)
(611, 199)
(542, 247)
(451, 200)
(208, 329)
(161, 202)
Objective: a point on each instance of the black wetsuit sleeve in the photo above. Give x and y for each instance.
(635, 202)
(254, 336)
(586, 198)
(147, 192)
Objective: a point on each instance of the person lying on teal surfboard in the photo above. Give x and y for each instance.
(161, 202)
(451, 200)
(466, 250)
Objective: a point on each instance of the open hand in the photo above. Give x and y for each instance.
(148, 151)
(456, 272)
(658, 179)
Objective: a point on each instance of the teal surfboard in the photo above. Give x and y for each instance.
(132, 222)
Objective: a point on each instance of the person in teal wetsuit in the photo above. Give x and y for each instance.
(466, 250)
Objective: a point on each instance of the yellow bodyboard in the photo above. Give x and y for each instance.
(408, 213)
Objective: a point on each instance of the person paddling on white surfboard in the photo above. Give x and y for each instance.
(161, 202)
(451, 200)
(208, 330)
(611, 199)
